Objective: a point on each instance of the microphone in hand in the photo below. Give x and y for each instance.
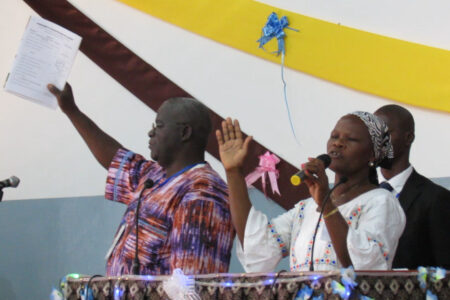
(298, 177)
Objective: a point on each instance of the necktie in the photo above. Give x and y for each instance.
(385, 185)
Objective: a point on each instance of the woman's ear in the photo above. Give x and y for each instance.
(372, 160)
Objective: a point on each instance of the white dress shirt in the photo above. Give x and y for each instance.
(398, 181)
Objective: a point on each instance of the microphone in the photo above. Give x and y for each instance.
(327, 196)
(298, 177)
(12, 181)
(136, 264)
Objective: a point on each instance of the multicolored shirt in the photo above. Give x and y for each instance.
(184, 220)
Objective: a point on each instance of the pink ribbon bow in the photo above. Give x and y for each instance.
(267, 164)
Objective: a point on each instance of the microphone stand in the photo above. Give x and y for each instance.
(325, 200)
(13, 181)
(136, 263)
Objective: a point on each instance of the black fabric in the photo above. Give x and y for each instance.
(426, 238)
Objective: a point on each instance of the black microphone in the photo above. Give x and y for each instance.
(136, 264)
(298, 177)
(325, 199)
(12, 181)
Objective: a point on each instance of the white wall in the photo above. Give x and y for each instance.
(41, 147)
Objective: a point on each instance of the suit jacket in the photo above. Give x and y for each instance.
(426, 238)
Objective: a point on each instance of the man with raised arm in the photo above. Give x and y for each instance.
(426, 238)
(184, 217)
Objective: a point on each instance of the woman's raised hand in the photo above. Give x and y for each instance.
(232, 147)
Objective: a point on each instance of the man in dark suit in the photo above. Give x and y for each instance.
(426, 238)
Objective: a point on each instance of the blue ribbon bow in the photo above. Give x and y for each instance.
(274, 29)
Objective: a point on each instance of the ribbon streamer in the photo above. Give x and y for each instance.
(180, 287)
(267, 164)
(274, 28)
(339, 289)
(304, 294)
(56, 295)
(422, 277)
(431, 296)
(348, 277)
(435, 273)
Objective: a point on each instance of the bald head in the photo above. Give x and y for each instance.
(193, 113)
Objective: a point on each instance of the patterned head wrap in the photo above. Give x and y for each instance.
(378, 131)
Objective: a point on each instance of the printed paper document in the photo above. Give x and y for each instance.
(46, 55)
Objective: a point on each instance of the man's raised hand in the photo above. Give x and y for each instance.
(65, 97)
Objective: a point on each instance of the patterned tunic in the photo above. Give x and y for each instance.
(184, 220)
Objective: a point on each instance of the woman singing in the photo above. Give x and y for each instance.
(360, 225)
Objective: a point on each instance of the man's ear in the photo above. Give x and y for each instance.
(186, 133)
(409, 138)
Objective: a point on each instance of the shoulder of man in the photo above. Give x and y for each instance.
(207, 183)
(426, 185)
(205, 175)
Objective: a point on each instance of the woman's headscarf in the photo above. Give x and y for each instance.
(381, 140)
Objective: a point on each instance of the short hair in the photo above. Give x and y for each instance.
(194, 113)
(405, 118)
